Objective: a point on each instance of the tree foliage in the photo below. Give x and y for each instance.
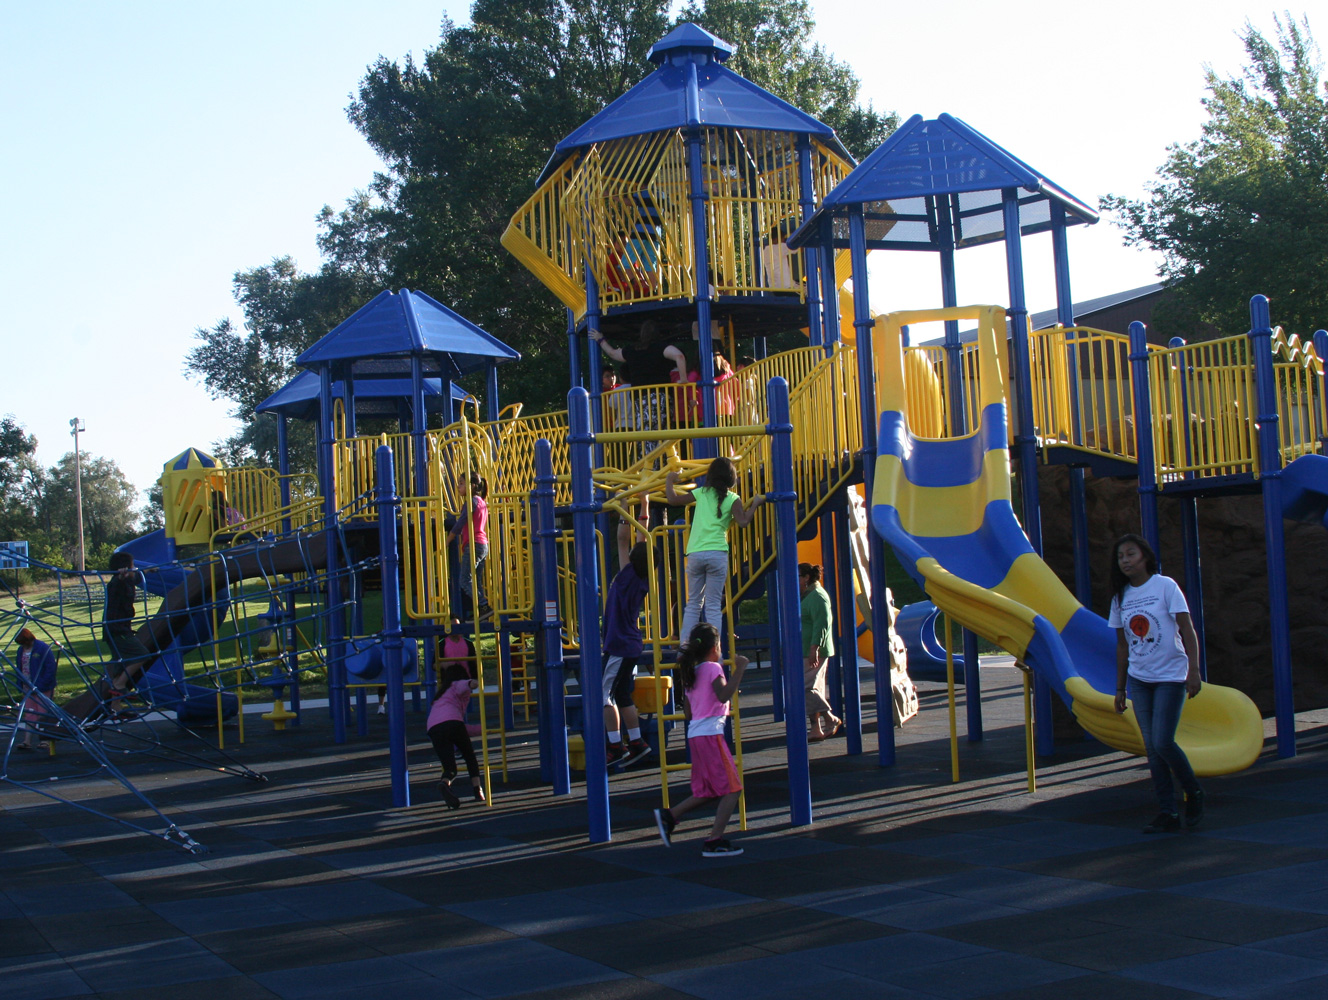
(463, 133)
(1244, 208)
(38, 505)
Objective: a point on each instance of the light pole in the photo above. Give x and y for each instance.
(77, 426)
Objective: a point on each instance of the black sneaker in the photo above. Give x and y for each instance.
(636, 749)
(1194, 807)
(719, 849)
(449, 796)
(665, 822)
(615, 753)
(1163, 823)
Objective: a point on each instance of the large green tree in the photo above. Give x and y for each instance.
(463, 133)
(1244, 208)
(19, 480)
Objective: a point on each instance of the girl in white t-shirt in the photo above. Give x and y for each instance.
(1157, 652)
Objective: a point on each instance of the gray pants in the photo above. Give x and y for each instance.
(707, 572)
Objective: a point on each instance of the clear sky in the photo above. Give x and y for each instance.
(154, 149)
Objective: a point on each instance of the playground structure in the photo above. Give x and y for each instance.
(696, 196)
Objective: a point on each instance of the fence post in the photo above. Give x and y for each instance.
(548, 623)
(388, 504)
(1270, 478)
(581, 444)
(790, 618)
(1143, 434)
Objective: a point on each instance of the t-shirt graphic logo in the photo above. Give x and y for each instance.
(1144, 629)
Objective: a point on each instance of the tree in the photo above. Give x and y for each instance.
(1244, 208)
(463, 135)
(19, 473)
(109, 508)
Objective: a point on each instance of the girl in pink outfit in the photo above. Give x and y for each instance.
(706, 707)
(447, 717)
(473, 528)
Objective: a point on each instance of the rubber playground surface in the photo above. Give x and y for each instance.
(906, 886)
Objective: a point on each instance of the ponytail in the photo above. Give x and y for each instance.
(703, 640)
(721, 477)
(479, 486)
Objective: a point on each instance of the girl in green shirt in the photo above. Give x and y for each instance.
(717, 506)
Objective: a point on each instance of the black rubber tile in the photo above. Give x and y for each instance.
(462, 886)
(1204, 919)
(880, 866)
(1172, 860)
(648, 947)
(1120, 949)
(779, 927)
(287, 946)
(773, 879)
(415, 930)
(123, 927)
(618, 989)
(230, 988)
(20, 937)
(1100, 987)
(1025, 931)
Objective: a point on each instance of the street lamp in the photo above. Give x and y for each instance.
(77, 426)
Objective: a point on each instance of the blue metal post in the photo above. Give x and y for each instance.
(1321, 352)
(1083, 581)
(810, 255)
(880, 623)
(580, 443)
(393, 657)
(1270, 478)
(1143, 434)
(834, 669)
(772, 620)
(491, 396)
(336, 665)
(287, 628)
(702, 447)
(1189, 522)
(1025, 438)
(574, 352)
(954, 359)
(847, 639)
(790, 619)
(549, 623)
(829, 286)
(418, 427)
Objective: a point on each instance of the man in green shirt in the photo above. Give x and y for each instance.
(818, 645)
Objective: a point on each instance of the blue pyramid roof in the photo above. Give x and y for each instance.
(902, 183)
(666, 100)
(298, 399)
(383, 335)
(191, 458)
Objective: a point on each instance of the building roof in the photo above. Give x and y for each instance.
(907, 182)
(298, 399)
(1049, 317)
(383, 335)
(691, 88)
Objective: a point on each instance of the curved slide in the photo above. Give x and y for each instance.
(177, 618)
(944, 507)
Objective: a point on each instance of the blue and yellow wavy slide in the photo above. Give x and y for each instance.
(944, 506)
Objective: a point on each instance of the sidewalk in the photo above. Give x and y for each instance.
(906, 886)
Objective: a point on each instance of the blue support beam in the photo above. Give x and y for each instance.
(393, 648)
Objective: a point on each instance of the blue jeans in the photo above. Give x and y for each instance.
(1157, 706)
(707, 572)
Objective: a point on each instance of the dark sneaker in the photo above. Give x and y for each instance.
(665, 822)
(477, 792)
(719, 849)
(615, 753)
(1163, 823)
(449, 796)
(1194, 807)
(636, 749)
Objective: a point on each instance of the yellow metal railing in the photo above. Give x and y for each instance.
(927, 384)
(1203, 401)
(1083, 390)
(355, 469)
(623, 210)
(1302, 408)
